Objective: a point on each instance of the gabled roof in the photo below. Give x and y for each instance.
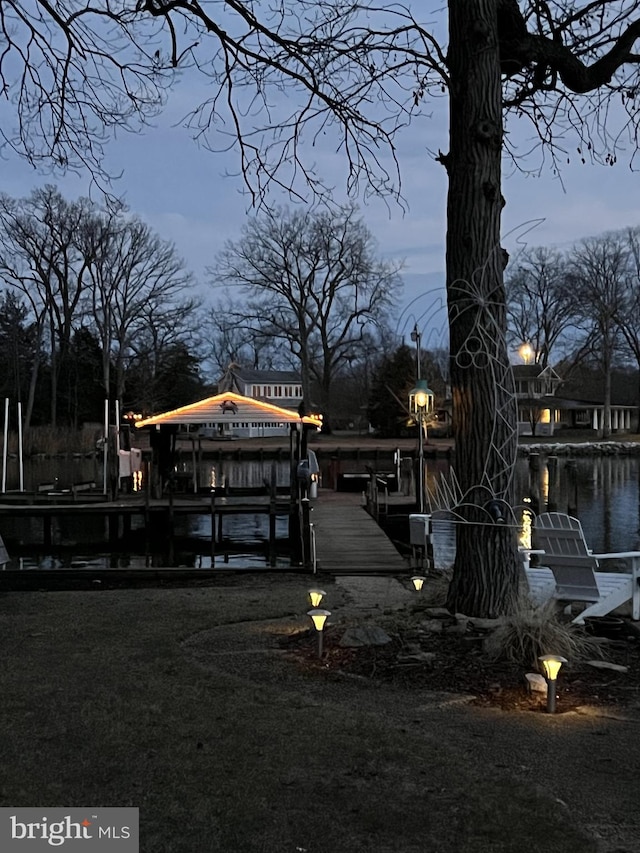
(228, 407)
(235, 377)
(269, 376)
(534, 371)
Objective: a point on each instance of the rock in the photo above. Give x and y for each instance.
(604, 664)
(417, 657)
(432, 626)
(536, 683)
(369, 635)
(632, 629)
(438, 612)
(487, 624)
(459, 628)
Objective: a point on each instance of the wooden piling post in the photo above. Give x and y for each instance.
(213, 528)
(295, 542)
(305, 533)
(272, 516)
(170, 524)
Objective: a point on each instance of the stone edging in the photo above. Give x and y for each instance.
(586, 448)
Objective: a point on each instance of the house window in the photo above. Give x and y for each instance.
(267, 390)
(545, 416)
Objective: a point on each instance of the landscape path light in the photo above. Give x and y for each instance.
(417, 581)
(319, 617)
(551, 665)
(316, 596)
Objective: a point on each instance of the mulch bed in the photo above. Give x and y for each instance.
(459, 666)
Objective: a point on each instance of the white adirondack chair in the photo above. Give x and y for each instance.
(570, 570)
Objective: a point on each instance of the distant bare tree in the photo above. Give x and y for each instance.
(599, 278)
(237, 342)
(80, 267)
(39, 257)
(131, 272)
(628, 317)
(314, 281)
(540, 302)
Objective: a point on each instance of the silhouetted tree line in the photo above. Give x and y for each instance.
(94, 305)
(580, 308)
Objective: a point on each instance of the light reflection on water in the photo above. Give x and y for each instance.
(603, 492)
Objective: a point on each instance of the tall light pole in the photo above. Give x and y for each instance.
(416, 337)
(420, 404)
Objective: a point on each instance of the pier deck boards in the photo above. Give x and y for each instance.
(348, 541)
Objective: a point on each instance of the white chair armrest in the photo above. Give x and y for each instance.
(619, 555)
(527, 552)
(630, 557)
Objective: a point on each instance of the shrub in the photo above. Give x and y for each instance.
(532, 631)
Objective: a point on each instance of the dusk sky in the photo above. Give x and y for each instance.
(181, 190)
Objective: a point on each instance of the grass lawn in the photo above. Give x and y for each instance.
(180, 702)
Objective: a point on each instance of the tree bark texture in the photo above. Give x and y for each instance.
(484, 409)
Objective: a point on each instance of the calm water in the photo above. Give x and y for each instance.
(603, 492)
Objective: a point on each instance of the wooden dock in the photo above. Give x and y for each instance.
(160, 512)
(349, 541)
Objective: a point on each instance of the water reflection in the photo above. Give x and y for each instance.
(603, 492)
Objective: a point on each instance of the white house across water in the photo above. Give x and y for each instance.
(542, 411)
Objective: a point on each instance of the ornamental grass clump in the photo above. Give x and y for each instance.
(532, 631)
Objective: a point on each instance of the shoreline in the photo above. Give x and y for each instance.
(365, 446)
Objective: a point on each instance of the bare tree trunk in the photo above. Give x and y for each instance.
(484, 415)
(31, 396)
(53, 379)
(606, 412)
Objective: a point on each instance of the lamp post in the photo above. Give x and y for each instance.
(420, 404)
(551, 665)
(319, 617)
(526, 352)
(418, 582)
(316, 596)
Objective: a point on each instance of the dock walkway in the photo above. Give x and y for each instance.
(348, 540)
(350, 545)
